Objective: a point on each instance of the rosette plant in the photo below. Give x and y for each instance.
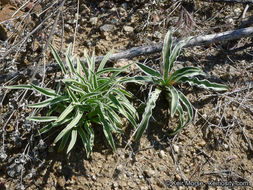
(166, 79)
(87, 97)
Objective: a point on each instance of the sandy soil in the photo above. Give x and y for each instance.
(215, 147)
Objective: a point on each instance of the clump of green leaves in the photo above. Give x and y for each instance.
(166, 79)
(85, 98)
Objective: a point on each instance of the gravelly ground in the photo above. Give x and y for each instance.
(217, 146)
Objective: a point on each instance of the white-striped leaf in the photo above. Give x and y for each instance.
(149, 71)
(204, 84)
(104, 61)
(18, 87)
(106, 128)
(42, 118)
(71, 125)
(84, 140)
(65, 113)
(174, 100)
(185, 72)
(45, 91)
(176, 52)
(49, 102)
(73, 140)
(58, 59)
(188, 107)
(167, 46)
(147, 113)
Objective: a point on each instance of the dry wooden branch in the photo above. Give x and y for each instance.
(195, 41)
(144, 50)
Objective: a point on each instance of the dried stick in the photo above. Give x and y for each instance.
(195, 41)
(144, 50)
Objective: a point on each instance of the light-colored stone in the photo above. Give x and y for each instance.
(158, 35)
(202, 143)
(178, 177)
(225, 146)
(106, 28)
(237, 11)
(93, 21)
(61, 181)
(176, 148)
(161, 154)
(128, 28)
(149, 173)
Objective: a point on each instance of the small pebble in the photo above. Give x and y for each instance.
(225, 146)
(106, 28)
(61, 181)
(176, 148)
(128, 28)
(178, 177)
(161, 154)
(202, 143)
(93, 21)
(149, 173)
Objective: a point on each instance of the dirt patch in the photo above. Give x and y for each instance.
(217, 146)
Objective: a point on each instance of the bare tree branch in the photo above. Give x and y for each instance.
(144, 50)
(195, 41)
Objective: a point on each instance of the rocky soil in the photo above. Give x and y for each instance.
(216, 146)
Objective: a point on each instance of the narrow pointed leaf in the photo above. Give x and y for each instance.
(93, 62)
(49, 102)
(148, 70)
(72, 95)
(84, 140)
(84, 68)
(68, 60)
(167, 46)
(106, 128)
(185, 72)
(147, 113)
(73, 140)
(188, 107)
(104, 61)
(70, 65)
(174, 100)
(65, 113)
(88, 60)
(64, 141)
(51, 125)
(45, 91)
(71, 125)
(18, 87)
(42, 118)
(204, 84)
(176, 52)
(58, 59)
(88, 95)
(90, 132)
(181, 120)
(78, 66)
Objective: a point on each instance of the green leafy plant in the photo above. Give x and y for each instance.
(166, 79)
(85, 98)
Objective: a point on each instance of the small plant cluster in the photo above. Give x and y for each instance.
(89, 97)
(86, 97)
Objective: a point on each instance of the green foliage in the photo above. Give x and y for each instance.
(85, 98)
(165, 81)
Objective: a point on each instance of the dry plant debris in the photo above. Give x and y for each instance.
(217, 146)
